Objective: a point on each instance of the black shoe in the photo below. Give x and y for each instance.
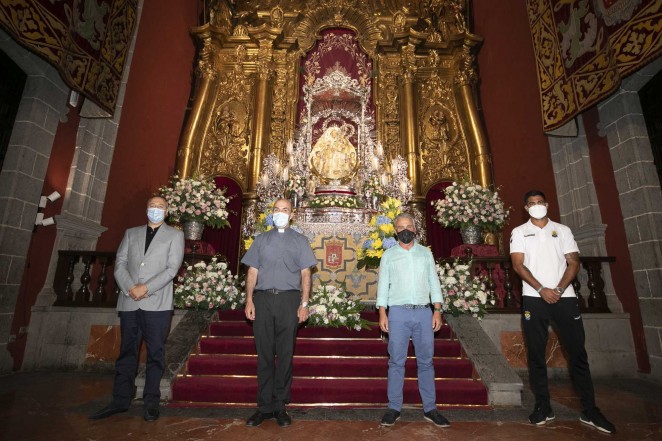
(596, 419)
(107, 411)
(390, 417)
(542, 414)
(257, 418)
(282, 418)
(151, 413)
(435, 417)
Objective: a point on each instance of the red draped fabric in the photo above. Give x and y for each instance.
(441, 240)
(226, 241)
(337, 49)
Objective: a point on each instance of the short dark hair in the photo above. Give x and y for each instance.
(533, 193)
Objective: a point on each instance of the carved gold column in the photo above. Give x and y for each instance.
(188, 153)
(262, 110)
(408, 118)
(408, 124)
(480, 156)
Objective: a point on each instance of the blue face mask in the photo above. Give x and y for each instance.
(155, 215)
(281, 220)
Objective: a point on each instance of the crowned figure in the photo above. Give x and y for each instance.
(333, 158)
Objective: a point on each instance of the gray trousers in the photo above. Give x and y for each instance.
(275, 330)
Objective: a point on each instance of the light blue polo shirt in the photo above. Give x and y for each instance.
(408, 277)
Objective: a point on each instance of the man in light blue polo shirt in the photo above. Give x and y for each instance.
(408, 283)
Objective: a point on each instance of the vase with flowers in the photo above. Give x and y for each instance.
(471, 208)
(196, 203)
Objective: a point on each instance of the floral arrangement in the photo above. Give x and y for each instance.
(295, 184)
(264, 222)
(209, 286)
(372, 187)
(191, 199)
(463, 294)
(332, 307)
(382, 236)
(470, 204)
(334, 201)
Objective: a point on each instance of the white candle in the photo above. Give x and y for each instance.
(403, 187)
(384, 180)
(265, 180)
(286, 174)
(292, 162)
(289, 147)
(277, 168)
(380, 149)
(375, 163)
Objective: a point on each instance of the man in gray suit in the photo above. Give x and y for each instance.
(148, 259)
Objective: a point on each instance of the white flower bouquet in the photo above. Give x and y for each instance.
(199, 200)
(209, 286)
(295, 184)
(334, 201)
(463, 293)
(372, 187)
(470, 204)
(332, 307)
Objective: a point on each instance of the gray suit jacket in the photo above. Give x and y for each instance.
(156, 268)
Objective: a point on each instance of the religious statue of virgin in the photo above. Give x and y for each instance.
(334, 158)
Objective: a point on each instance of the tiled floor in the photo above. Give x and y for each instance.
(54, 406)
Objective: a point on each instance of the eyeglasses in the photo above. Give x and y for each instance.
(532, 203)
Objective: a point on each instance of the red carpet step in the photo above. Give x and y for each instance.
(332, 367)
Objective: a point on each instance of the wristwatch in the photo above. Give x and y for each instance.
(540, 289)
(304, 304)
(559, 290)
(437, 309)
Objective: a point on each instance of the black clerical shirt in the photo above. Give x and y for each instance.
(151, 232)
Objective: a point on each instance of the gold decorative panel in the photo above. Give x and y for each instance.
(247, 93)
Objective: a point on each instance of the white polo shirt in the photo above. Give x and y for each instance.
(544, 253)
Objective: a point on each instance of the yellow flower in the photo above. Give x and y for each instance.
(379, 253)
(387, 229)
(374, 235)
(371, 253)
(269, 227)
(359, 253)
(373, 221)
(262, 218)
(377, 244)
(247, 243)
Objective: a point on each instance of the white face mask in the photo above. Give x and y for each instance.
(155, 215)
(281, 220)
(538, 211)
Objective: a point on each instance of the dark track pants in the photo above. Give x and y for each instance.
(536, 317)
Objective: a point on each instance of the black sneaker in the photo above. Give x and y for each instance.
(541, 415)
(435, 417)
(596, 419)
(390, 417)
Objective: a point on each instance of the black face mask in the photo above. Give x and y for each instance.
(406, 236)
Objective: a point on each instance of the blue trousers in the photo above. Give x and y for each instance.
(152, 326)
(416, 324)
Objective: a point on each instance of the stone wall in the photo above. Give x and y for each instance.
(622, 121)
(42, 107)
(608, 343)
(67, 338)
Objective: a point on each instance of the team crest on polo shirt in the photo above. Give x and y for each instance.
(527, 315)
(555, 234)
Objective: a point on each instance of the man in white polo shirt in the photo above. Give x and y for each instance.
(545, 256)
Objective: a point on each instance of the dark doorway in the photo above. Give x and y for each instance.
(12, 81)
(651, 103)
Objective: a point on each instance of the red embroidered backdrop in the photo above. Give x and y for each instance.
(87, 42)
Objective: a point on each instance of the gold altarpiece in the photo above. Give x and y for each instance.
(424, 92)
